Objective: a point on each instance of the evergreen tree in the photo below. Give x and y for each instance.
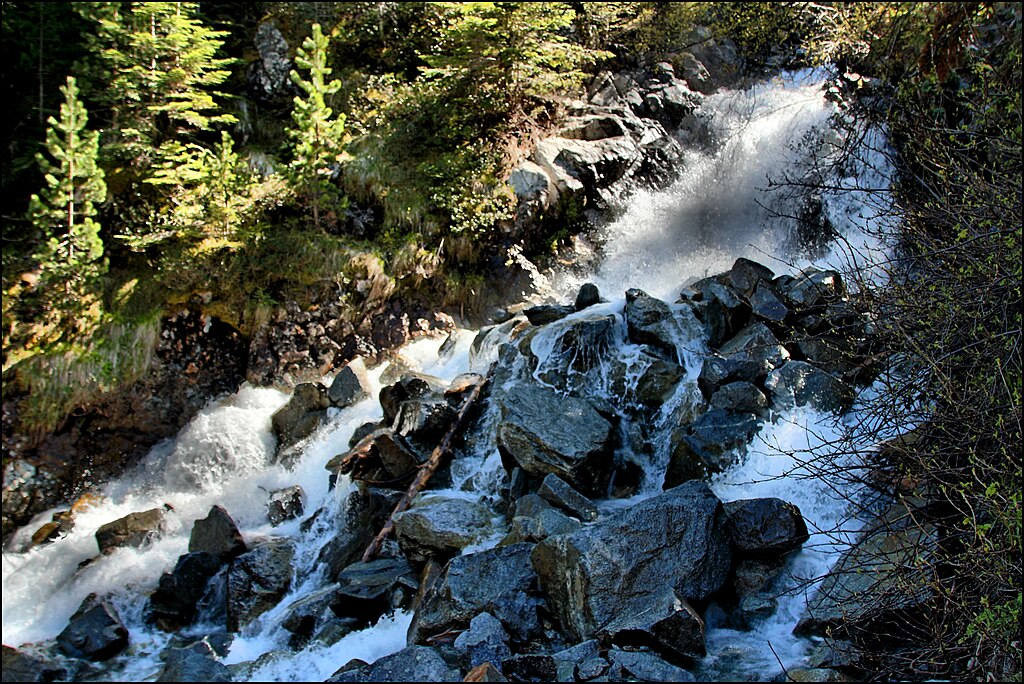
(163, 69)
(319, 138)
(71, 257)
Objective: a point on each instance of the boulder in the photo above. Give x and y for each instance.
(765, 527)
(311, 614)
(196, 662)
(301, 416)
(588, 296)
(709, 445)
(539, 527)
(755, 345)
(409, 386)
(351, 385)
(740, 397)
(439, 528)
(745, 275)
(584, 343)
(423, 423)
(668, 625)
(543, 314)
(767, 304)
(94, 632)
(724, 311)
(646, 380)
(641, 666)
(174, 603)
(411, 664)
(21, 666)
(367, 590)
(218, 534)
(257, 580)
(133, 530)
(879, 584)
(718, 370)
(813, 287)
(285, 504)
(362, 513)
(652, 322)
(621, 564)
(559, 493)
(268, 78)
(544, 432)
(486, 641)
(798, 383)
(499, 581)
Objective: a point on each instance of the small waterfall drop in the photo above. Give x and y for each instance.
(725, 204)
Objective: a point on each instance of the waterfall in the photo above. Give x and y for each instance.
(726, 203)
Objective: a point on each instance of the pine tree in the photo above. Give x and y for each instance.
(71, 258)
(319, 138)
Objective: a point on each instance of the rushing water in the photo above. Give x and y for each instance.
(724, 205)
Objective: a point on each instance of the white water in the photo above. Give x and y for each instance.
(714, 213)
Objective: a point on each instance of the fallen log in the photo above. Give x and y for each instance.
(427, 469)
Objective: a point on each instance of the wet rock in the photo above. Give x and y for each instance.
(218, 534)
(351, 385)
(367, 590)
(644, 667)
(547, 313)
(174, 603)
(652, 322)
(361, 515)
(46, 533)
(544, 432)
(724, 311)
(558, 492)
(580, 662)
(94, 632)
(285, 504)
(584, 343)
(412, 664)
(588, 296)
(740, 397)
(21, 666)
(718, 370)
(745, 275)
(619, 565)
(196, 662)
(310, 614)
(648, 381)
(539, 527)
(301, 416)
(798, 383)
(882, 581)
(423, 422)
(486, 641)
(709, 445)
(765, 527)
(813, 287)
(439, 528)
(257, 580)
(755, 345)
(767, 304)
(752, 576)
(751, 610)
(668, 625)
(409, 386)
(805, 674)
(499, 581)
(133, 530)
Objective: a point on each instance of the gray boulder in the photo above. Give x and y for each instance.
(544, 432)
(620, 565)
(285, 504)
(542, 314)
(486, 641)
(94, 632)
(499, 581)
(740, 397)
(724, 311)
(652, 322)
(362, 514)
(196, 662)
(350, 385)
(412, 664)
(439, 528)
(651, 386)
(559, 493)
(22, 666)
(756, 345)
(367, 590)
(257, 580)
(668, 625)
(765, 527)
(640, 666)
(883, 579)
(588, 296)
(813, 287)
(310, 614)
(174, 603)
(539, 527)
(767, 304)
(301, 416)
(798, 383)
(709, 445)
(133, 530)
(218, 534)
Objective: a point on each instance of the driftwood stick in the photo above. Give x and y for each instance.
(427, 469)
(357, 453)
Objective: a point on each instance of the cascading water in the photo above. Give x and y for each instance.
(720, 208)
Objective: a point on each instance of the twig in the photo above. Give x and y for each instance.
(427, 469)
